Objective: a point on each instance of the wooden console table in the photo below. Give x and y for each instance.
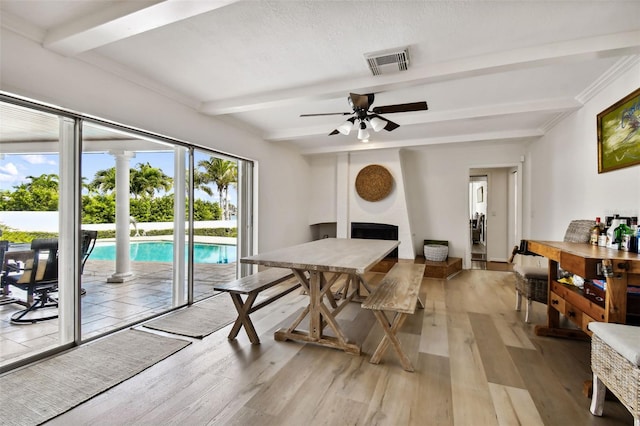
(589, 262)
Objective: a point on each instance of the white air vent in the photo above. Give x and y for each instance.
(388, 61)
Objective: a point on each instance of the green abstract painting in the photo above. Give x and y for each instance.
(619, 134)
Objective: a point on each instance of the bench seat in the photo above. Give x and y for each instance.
(398, 292)
(251, 286)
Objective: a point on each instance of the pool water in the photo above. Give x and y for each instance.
(162, 251)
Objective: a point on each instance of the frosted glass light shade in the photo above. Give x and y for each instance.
(363, 135)
(377, 124)
(345, 127)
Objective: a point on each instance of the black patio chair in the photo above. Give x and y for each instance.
(39, 279)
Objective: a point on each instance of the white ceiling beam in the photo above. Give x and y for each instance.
(536, 106)
(525, 134)
(123, 20)
(619, 44)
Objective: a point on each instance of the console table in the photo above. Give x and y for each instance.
(590, 262)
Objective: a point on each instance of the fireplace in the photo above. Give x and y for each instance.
(377, 231)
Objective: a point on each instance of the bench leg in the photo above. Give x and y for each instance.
(243, 319)
(390, 330)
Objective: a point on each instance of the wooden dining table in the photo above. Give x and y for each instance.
(318, 265)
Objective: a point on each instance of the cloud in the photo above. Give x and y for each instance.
(37, 159)
(9, 173)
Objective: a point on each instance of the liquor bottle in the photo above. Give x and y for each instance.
(595, 232)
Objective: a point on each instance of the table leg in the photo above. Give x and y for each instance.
(315, 299)
(319, 317)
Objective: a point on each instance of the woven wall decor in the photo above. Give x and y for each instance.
(374, 183)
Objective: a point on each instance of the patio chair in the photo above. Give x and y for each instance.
(5, 293)
(39, 279)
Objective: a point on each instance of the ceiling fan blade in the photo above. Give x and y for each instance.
(413, 106)
(390, 125)
(361, 101)
(326, 113)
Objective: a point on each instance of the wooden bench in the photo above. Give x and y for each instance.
(251, 286)
(398, 293)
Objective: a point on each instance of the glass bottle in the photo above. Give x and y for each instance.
(595, 233)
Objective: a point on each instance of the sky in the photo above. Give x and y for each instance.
(14, 168)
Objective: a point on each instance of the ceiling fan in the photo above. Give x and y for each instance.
(368, 117)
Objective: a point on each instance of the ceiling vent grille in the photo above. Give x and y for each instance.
(388, 61)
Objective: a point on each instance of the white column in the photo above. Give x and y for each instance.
(123, 261)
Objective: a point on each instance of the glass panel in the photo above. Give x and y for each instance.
(29, 186)
(128, 198)
(215, 221)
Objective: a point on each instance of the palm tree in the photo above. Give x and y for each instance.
(104, 181)
(220, 172)
(146, 180)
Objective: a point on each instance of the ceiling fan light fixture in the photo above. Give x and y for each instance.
(377, 124)
(363, 134)
(345, 128)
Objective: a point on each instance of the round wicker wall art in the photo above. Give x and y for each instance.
(374, 183)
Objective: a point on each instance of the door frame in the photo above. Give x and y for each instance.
(519, 196)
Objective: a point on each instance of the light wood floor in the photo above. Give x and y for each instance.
(476, 362)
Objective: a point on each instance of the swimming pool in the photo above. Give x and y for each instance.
(162, 251)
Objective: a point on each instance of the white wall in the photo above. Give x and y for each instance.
(323, 199)
(26, 69)
(563, 173)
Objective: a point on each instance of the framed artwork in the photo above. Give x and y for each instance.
(619, 134)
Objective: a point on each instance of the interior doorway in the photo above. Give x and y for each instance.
(495, 216)
(478, 195)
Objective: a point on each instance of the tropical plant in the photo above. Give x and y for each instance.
(221, 173)
(39, 193)
(104, 181)
(144, 181)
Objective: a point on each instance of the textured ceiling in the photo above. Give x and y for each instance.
(488, 70)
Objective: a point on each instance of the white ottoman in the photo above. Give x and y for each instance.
(615, 362)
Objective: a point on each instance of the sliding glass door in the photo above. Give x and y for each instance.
(141, 224)
(30, 194)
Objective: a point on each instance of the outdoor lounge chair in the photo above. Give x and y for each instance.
(42, 280)
(39, 279)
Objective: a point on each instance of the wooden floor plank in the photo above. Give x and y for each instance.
(434, 406)
(514, 406)
(434, 339)
(498, 366)
(469, 388)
